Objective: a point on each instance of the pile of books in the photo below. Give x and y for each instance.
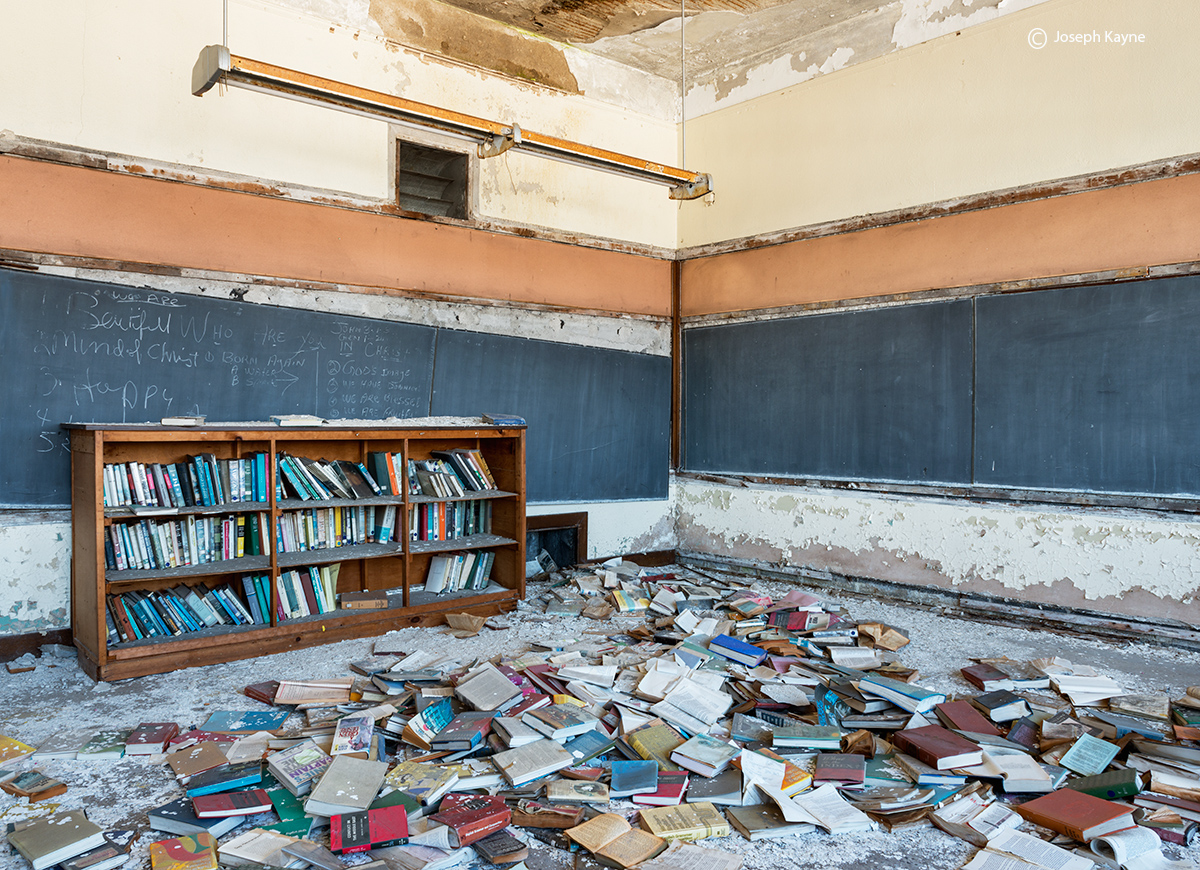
(716, 712)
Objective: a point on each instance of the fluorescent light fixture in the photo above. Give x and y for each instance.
(217, 65)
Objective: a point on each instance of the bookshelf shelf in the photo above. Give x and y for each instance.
(272, 621)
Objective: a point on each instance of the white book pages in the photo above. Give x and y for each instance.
(1037, 851)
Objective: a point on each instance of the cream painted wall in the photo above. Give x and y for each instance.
(966, 113)
(115, 76)
(1117, 561)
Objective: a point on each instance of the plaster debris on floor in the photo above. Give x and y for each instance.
(48, 694)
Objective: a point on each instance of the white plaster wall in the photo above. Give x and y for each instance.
(969, 112)
(616, 528)
(115, 76)
(35, 575)
(1140, 562)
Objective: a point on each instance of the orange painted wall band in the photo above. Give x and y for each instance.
(1146, 224)
(73, 211)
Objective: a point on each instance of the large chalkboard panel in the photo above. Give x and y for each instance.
(77, 350)
(1091, 388)
(599, 420)
(882, 394)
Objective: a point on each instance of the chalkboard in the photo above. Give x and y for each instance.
(599, 420)
(86, 351)
(880, 394)
(1091, 388)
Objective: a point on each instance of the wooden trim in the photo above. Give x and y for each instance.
(13, 646)
(1112, 276)
(676, 365)
(577, 521)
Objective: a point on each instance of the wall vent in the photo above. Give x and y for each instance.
(431, 180)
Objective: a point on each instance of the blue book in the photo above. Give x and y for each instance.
(237, 721)
(737, 650)
(588, 745)
(633, 777)
(225, 778)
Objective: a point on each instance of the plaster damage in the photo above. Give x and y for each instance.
(1121, 561)
(35, 575)
(616, 332)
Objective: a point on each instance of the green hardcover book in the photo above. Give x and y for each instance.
(1110, 785)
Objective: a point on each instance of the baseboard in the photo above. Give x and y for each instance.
(964, 604)
(14, 646)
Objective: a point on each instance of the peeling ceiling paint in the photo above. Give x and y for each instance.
(735, 50)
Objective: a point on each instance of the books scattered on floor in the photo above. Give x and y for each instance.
(713, 712)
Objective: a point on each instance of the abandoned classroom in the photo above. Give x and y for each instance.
(889, 299)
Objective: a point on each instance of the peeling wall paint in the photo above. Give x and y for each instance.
(1120, 561)
(634, 334)
(35, 577)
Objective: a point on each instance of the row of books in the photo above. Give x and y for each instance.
(453, 572)
(200, 481)
(206, 481)
(324, 528)
(171, 612)
(164, 613)
(189, 540)
(448, 474)
(446, 521)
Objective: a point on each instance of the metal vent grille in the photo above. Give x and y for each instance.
(431, 181)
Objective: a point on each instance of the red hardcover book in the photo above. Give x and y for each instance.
(839, 767)
(264, 691)
(671, 786)
(938, 747)
(473, 818)
(986, 677)
(962, 716)
(231, 803)
(1076, 814)
(373, 829)
(150, 738)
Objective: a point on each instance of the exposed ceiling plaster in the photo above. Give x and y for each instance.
(735, 49)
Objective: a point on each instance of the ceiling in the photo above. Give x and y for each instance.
(725, 38)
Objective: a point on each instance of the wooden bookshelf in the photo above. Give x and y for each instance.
(398, 567)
